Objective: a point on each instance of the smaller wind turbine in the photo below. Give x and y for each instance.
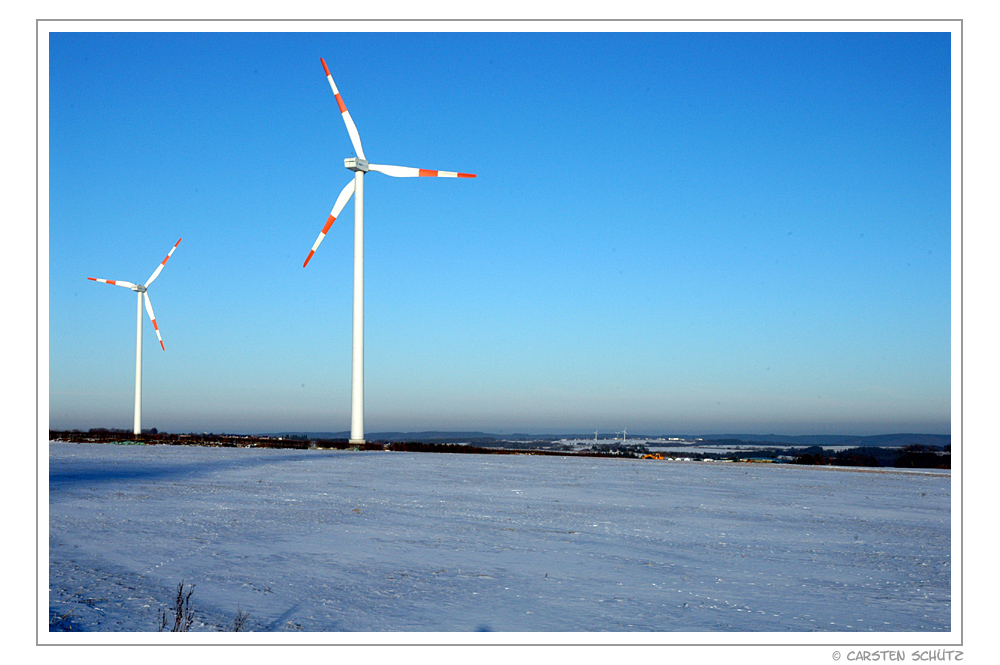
(141, 295)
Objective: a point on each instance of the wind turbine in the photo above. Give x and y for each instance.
(141, 295)
(356, 186)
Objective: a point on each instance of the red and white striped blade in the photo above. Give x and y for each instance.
(116, 282)
(162, 263)
(410, 172)
(351, 127)
(345, 195)
(149, 310)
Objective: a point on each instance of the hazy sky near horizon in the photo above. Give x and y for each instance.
(673, 232)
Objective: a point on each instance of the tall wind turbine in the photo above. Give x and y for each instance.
(141, 295)
(356, 186)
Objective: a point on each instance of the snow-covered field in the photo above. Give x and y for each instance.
(364, 541)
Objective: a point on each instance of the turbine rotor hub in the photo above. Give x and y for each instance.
(139, 288)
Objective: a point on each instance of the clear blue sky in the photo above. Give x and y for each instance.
(677, 232)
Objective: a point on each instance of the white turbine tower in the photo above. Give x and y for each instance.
(141, 295)
(357, 187)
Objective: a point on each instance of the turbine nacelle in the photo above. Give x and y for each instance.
(356, 164)
(139, 288)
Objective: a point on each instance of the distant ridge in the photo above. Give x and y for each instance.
(841, 439)
(937, 440)
(401, 436)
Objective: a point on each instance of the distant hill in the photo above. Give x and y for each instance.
(840, 439)
(892, 440)
(395, 436)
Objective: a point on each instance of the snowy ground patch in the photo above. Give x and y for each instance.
(369, 541)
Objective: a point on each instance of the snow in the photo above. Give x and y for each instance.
(415, 542)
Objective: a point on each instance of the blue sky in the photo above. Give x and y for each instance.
(673, 232)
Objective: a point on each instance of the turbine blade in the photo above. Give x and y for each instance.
(345, 195)
(410, 172)
(116, 282)
(149, 310)
(352, 129)
(162, 263)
